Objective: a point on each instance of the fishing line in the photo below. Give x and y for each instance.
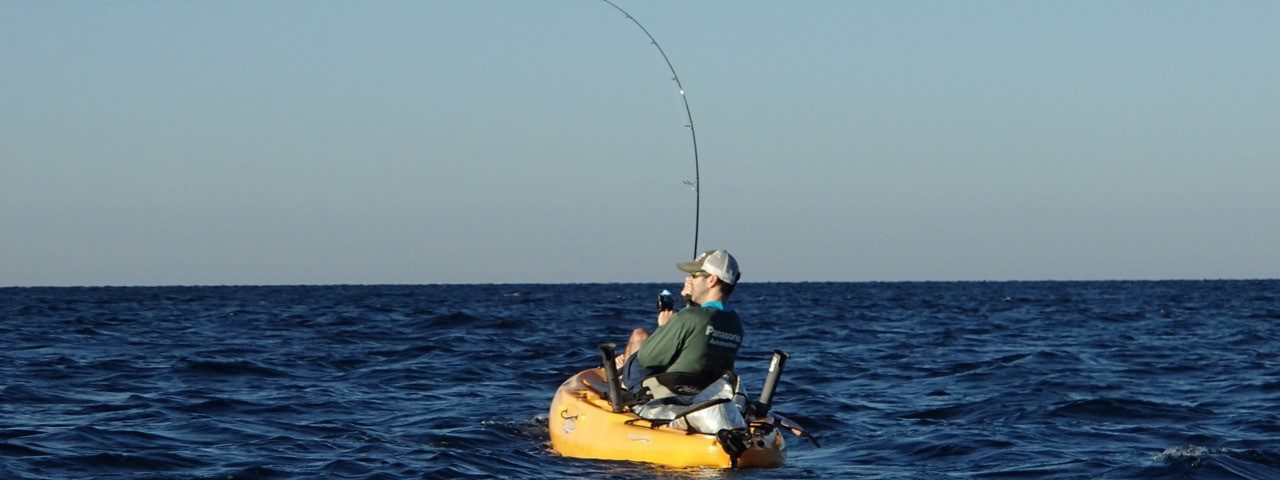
(696, 183)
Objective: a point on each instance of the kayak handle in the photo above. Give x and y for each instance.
(607, 357)
(771, 382)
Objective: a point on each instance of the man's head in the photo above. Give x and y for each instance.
(712, 276)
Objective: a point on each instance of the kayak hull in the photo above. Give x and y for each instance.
(583, 425)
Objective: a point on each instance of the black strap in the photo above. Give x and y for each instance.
(628, 399)
(699, 407)
(655, 423)
(682, 383)
(639, 398)
(652, 423)
(733, 443)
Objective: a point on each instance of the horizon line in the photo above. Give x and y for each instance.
(462, 284)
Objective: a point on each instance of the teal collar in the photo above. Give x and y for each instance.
(716, 304)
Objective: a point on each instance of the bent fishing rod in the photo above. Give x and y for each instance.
(697, 179)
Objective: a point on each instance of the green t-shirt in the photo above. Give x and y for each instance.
(698, 340)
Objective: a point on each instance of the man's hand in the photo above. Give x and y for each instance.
(665, 316)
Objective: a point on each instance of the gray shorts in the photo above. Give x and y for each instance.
(633, 374)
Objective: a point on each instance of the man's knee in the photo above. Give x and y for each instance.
(638, 337)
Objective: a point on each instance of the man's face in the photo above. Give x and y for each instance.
(696, 286)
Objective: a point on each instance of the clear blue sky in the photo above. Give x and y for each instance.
(153, 143)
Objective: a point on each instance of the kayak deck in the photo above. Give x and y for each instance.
(583, 425)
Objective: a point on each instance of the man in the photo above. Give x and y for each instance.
(694, 347)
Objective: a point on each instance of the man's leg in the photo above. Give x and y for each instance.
(638, 336)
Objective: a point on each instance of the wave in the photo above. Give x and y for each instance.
(1126, 409)
(963, 367)
(232, 368)
(255, 472)
(17, 450)
(1204, 462)
(133, 462)
(215, 405)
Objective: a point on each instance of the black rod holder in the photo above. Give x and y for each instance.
(607, 357)
(771, 382)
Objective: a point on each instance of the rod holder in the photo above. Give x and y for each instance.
(607, 357)
(771, 381)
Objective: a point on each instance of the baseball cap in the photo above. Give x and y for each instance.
(715, 262)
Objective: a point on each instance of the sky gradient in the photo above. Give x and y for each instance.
(163, 143)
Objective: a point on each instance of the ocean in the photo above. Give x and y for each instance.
(1053, 380)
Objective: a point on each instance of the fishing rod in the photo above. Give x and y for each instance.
(697, 179)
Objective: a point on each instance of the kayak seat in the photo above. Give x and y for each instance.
(674, 384)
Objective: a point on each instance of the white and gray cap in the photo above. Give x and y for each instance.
(715, 262)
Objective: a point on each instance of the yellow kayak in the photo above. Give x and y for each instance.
(583, 425)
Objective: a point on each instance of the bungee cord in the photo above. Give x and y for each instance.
(697, 179)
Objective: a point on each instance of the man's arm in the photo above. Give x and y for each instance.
(667, 340)
(665, 316)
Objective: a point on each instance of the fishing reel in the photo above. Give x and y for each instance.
(666, 301)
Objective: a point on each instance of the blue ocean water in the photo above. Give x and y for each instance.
(899, 380)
